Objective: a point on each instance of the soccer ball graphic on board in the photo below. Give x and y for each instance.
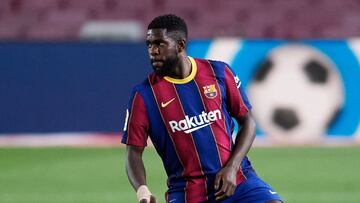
(296, 93)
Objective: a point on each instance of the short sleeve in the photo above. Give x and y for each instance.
(237, 101)
(136, 125)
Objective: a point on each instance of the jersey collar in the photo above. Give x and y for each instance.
(188, 78)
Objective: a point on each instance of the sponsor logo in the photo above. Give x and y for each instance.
(163, 105)
(190, 124)
(210, 91)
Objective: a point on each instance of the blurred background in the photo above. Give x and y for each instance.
(67, 68)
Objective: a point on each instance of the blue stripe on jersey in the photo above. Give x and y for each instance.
(244, 97)
(219, 70)
(242, 92)
(203, 137)
(228, 121)
(159, 136)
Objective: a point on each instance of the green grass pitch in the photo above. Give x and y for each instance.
(79, 175)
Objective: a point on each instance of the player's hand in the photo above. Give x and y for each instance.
(152, 200)
(225, 182)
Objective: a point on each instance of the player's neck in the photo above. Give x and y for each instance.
(182, 69)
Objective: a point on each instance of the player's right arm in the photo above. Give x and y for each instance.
(135, 137)
(135, 171)
(134, 164)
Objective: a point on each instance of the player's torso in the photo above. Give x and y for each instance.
(189, 123)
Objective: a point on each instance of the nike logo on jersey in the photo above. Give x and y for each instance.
(190, 124)
(272, 192)
(163, 105)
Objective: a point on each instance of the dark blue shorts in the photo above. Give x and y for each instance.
(253, 190)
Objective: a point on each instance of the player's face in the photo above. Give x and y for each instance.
(162, 51)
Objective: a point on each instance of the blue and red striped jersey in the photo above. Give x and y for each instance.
(190, 123)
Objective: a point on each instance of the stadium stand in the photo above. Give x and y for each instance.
(35, 20)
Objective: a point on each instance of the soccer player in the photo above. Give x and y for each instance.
(185, 106)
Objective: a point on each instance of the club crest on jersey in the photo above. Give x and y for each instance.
(210, 91)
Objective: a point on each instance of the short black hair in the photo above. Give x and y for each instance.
(171, 23)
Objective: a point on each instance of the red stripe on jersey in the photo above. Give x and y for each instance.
(203, 79)
(152, 79)
(235, 101)
(138, 123)
(193, 188)
(171, 109)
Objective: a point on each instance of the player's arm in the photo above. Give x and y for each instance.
(135, 137)
(239, 108)
(135, 171)
(243, 141)
(226, 177)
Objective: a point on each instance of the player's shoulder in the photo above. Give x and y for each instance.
(143, 86)
(216, 64)
(219, 67)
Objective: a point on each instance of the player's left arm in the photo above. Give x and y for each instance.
(239, 108)
(227, 175)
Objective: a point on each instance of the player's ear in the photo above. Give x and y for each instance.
(181, 45)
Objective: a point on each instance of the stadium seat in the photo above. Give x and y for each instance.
(272, 18)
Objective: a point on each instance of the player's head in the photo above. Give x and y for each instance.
(166, 40)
